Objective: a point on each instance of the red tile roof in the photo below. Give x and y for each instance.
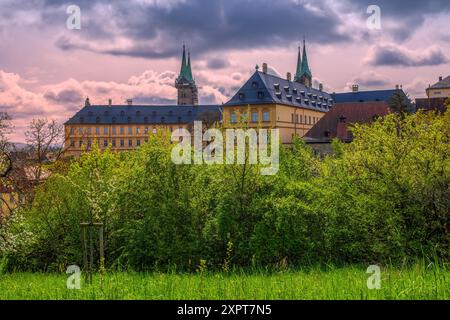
(336, 121)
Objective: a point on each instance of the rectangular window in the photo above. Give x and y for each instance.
(154, 130)
(309, 119)
(244, 116)
(105, 130)
(122, 143)
(80, 143)
(114, 130)
(130, 143)
(130, 130)
(138, 130)
(138, 142)
(233, 117)
(122, 130)
(105, 143)
(72, 131)
(146, 130)
(255, 116)
(301, 119)
(114, 143)
(292, 117)
(266, 116)
(72, 143)
(89, 143)
(97, 130)
(80, 131)
(88, 130)
(296, 118)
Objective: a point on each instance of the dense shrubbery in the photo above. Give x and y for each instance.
(384, 197)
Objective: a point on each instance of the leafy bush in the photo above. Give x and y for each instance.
(384, 197)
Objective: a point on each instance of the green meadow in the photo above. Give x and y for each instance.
(420, 281)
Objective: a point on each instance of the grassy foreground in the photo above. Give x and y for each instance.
(417, 282)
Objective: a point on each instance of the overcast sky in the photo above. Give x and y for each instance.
(131, 49)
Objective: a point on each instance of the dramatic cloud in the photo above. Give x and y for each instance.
(217, 63)
(369, 80)
(60, 101)
(392, 55)
(402, 18)
(140, 30)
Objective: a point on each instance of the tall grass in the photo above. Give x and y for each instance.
(419, 281)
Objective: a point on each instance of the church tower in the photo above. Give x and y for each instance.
(303, 74)
(185, 84)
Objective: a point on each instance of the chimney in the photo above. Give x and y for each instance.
(109, 103)
(440, 78)
(130, 102)
(397, 87)
(288, 76)
(355, 88)
(320, 87)
(264, 67)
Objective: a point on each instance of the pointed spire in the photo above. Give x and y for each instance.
(189, 67)
(185, 71)
(305, 66)
(183, 61)
(298, 72)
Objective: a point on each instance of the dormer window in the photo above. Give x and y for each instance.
(129, 119)
(241, 96)
(254, 84)
(286, 88)
(289, 97)
(276, 86)
(295, 91)
(260, 95)
(302, 93)
(299, 100)
(278, 94)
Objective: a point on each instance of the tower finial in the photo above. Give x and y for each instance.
(298, 72)
(189, 69)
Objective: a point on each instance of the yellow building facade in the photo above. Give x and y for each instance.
(291, 121)
(82, 137)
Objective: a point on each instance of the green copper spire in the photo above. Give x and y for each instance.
(298, 73)
(184, 72)
(305, 67)
(190, 78)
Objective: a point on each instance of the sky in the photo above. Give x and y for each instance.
(132, 49)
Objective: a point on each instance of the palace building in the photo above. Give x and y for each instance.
(268, 101)
(126, 127)
(290, 104)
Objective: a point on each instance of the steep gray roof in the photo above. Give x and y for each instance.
(140, 114)
(263, 88)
